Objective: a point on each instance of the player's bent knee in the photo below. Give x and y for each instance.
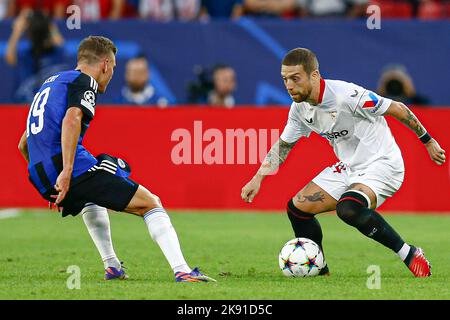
(143, 201)
(305, 207)
(345, 210)
(295, 213)
(157, 200)
(350, 204)
(151, 202)
(154, 202)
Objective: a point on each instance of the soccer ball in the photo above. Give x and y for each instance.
(301, 257)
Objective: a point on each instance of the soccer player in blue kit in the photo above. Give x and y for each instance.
(65, 173)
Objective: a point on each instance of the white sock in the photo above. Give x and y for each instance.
(163, 233)
(403, 253)
(97, 222)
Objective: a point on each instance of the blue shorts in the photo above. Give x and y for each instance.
(104, 185)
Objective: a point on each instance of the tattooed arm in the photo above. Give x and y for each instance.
(276, 156)
(402, 113)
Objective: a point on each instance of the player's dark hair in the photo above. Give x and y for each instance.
(303, 57)
(92, 48)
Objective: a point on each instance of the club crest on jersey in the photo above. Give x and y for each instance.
(333, 115)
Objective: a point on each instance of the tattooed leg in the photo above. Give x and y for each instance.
(314, 200)
(302, 209)
(317, 196)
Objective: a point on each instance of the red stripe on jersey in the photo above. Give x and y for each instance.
(322, 89)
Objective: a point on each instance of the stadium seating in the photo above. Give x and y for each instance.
(268, 40)
(432, 11)
(428, 10)
(391, 9)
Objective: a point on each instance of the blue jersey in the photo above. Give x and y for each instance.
(44, 126)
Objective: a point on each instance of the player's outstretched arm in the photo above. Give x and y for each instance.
(402, 113)
(23, 146)
(276, 156)
(71, 129)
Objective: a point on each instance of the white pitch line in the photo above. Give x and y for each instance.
(9, 213)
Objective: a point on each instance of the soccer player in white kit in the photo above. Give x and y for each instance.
(370, 169)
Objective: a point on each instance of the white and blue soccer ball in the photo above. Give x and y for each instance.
(301, 257)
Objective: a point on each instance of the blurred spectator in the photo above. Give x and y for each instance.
(53, 8)
(7, 8)
(131, 9)
(332, 8)
(221, 9)
(213, 87)
(224, 85)
(395, 83)
(39, 57)
(197, 90)
(422, 9)
(168, 10)
(415, 5)
(94, 10)
(399, 8)
(269, 8)
(138, 90)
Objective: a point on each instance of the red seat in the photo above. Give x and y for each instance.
(432, 11)
(390, 9)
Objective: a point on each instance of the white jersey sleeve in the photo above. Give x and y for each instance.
(366, 103)
(295, 128)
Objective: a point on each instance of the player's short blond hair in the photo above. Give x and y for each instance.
(303, 57)
(93, 48)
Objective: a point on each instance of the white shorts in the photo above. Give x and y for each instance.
(381, 176)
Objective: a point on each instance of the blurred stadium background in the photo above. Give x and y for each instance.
(183, 46)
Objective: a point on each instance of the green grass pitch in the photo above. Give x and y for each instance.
(240, 250)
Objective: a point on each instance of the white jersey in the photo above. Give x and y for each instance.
(350, 118)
